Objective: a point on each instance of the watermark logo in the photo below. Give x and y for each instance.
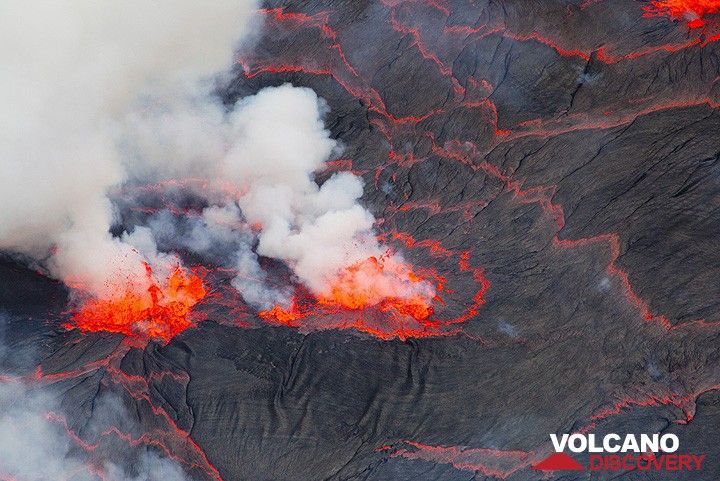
(643, 452)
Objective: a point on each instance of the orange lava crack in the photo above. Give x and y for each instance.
(493, 463)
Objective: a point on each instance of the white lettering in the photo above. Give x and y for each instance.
(630, 444)
(649, 444)
(667, 447)
(576, 447)
(592, 447)
(611, 443)
(559, 445)
(611, 448)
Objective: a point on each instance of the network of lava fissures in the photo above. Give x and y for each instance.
(383, 296)
(477, 93)
(692, 10)
(165, 309)
(161, 311)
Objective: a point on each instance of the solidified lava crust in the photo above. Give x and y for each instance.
(551, 169)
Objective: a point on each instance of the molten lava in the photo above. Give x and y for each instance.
(381, 296)
(383, 282)
(281, 315)
(160, 311)
(693, 10)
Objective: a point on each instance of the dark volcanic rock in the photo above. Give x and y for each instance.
(570, 148)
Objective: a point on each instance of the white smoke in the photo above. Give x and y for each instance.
(97, 95)
(316, 230)
(72, 69)
(265, 153)
(221, 236)
(36, 447)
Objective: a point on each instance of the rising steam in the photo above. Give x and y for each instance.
(267, 149)
(72, 70)
(35, 446)
(99, 98)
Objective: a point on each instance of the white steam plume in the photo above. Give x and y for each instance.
(72, 70)
(267, 149)
(279, 142)
(99, 94)
(36, 447)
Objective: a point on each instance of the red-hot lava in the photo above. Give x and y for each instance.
(491, 463)
(280, 315)
(355, 300)
(358, 298)
(361, 286)
(692, 10)
(125, 314)
(160, 311)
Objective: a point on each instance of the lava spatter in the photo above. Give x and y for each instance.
(281, 315)
(357, 298)
(694, 11)
(161, 311)
(388, 125)
(364, 284)
(353, 303)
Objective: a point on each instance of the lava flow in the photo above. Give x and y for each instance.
(160, 311)
(693, 10)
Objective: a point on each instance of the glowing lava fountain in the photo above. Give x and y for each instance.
(161, 310)
(365, 284)
(357, 300)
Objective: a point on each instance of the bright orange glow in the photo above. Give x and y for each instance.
(381, 296)
(693, 10)
(162, 311)
(368, 282)
(281, 315)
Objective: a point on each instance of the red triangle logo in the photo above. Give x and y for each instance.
(558, 462)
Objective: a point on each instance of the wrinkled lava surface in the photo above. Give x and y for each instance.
(556, 165)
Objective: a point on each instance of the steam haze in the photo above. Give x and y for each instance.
(72, 70)
(105, 97)
(35, 445)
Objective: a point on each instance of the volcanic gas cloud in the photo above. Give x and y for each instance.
(134, 108)
(258, 164)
